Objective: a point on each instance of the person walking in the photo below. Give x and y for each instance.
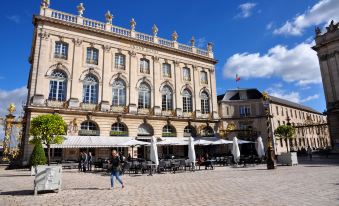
(309, 152)
(80, 161)
(116, 169)
(89, 161)
(85, 160)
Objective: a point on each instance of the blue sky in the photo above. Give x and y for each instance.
(266, 42)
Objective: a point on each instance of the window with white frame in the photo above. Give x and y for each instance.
(144, 66)
(90, 90)
(166, 70)
(119, 93)
(57, 86)
(205, 103)
(92, 56)
(186, 101)
(203, 77)
(89, 128)
(144, 100)
(244, 110)
(119, 129)
(186, 74)
(168, 131)
(61, 50)
(119, 61)
(167, 98)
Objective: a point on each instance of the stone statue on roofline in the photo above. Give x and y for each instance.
(174, 36)
(45, 3)
(155, 30)
(332, 27)
(133, 24)
(81, 9)
(109, 17)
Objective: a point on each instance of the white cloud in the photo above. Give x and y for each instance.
(246, 10)
(320, 13)
(309, 98)
(14, 18)
(290, 96)
(296, 65)
(16, 96)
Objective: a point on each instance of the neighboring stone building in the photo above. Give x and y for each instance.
(242, 115)
(109, 81)
(327, 47)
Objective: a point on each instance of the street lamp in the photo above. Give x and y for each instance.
(271, 162)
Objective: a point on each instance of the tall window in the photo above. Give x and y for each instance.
(118, 129)
(119, 93)
(58, 86)
(186, 74)
(144, 66)
(92, 56)
(168, 131)
(144, 100)
(276, 107)
(244, 111)
(61, 50)
(186, 101)
(205, 103)
(166, 70)
(203, 77)
(119, 61)
(167, 98)
(90, 90)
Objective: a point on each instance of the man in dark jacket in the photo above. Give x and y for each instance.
(116, 169)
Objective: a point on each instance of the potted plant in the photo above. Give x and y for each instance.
(286, 132)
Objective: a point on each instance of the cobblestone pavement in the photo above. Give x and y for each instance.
(305, 184)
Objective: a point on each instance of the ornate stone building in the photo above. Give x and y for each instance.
(327, 47)
(242, 115)
(110, 81)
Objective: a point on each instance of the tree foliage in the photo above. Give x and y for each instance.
(47, 129)
(286, 132)
(38, 156)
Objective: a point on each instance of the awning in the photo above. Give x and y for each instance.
(173, 141)
(91, 141)
(133, 142)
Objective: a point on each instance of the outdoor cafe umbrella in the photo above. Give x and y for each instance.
(221, 141)
(260, 147)
(154, 151)
(191, 151)
(235, 150)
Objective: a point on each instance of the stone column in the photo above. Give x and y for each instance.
(156, 85)
(106, 88)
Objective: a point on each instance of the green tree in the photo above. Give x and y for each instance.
(38, 156)
(47, 129)
(286, 132)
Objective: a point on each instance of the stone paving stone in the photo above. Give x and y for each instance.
(306, 184)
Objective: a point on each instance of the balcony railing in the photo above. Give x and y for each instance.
(89, 107)
(92, 61)
(169, 134)
(118, 133)
(118, 109)
(84, 132)
(144, 111)
(60, 56)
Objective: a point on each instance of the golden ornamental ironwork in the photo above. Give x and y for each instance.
(11, 108)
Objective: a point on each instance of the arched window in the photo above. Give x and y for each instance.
(167, 98)
(92, 56)
(144, 100)
(90, 90)
(166, 70)
(119, 61)
(119, 93)
(189, 131)
(119, 129)
(145, 130)
(61, 50)
(144, 66)
(58, 86)
(89, 128)
(186, 101)
(168, 131)
(205, 105)
(207, 132)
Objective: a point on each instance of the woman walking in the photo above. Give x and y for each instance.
(116, 169)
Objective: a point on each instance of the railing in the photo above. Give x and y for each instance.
(165, 42)
(144, 37)
(185, 47)
(63, 16)
(94, 24)
(85, 132)
(118, 133)
(121, 31)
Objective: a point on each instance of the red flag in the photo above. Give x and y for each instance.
(237, 77)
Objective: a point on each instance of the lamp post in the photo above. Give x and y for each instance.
(271, 161)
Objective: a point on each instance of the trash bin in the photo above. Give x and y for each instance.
(47, 178)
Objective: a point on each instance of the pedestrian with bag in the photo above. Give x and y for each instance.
(116, 169)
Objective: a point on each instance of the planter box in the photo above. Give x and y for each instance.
(47, 178)
(288, 158)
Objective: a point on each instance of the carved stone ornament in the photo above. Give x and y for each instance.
(155, 30)
(145, 120)
(81, 9)
(155, 58)
(107, 48)
(119, 119)
(44, 35)
(176, 63)
(193, 41)
(119, 50)
(91, 44)
(332, 27)
(45, 3)
(89, 116)
(212, 70)
(133, 24)
(174, 36)
(109, 17)
(209, 46)
(132, 53)
(77, 42)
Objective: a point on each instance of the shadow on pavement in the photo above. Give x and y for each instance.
(18, 193)
(86, 188)
(15, 175)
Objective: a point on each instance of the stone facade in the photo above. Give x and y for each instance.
(242, 114)
(327, 47)
(77, 63)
